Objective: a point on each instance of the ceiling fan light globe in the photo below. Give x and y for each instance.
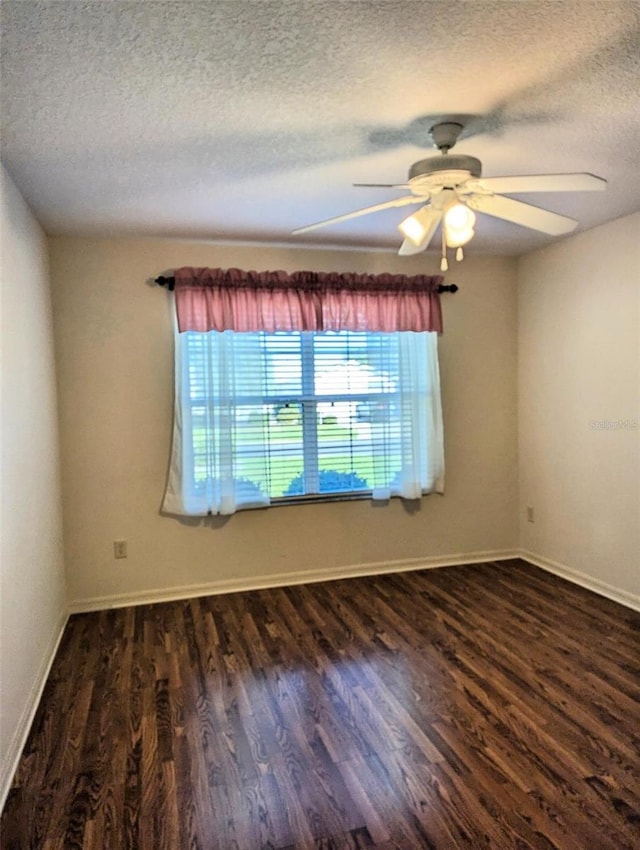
(459, 217)
(456, 239)
(411, 229)
(415, 227)
(459, 221)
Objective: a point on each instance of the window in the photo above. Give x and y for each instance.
(268, 418)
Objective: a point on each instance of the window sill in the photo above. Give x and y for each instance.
(316, 499)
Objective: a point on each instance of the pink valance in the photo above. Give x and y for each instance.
(232, 299)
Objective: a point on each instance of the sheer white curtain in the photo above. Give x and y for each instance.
(422, 443)
(214, 372)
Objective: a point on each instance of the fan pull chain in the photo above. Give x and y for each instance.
(444, 265)
(459, 254)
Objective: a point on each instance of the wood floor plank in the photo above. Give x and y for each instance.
(487, 706)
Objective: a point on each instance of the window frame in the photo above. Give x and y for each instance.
(221, 386)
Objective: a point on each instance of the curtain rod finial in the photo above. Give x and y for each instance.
(169, 282)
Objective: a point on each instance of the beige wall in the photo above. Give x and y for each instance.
(32, 591)
(579, 343)
(114, 346)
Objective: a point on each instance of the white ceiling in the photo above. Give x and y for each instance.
(244, 120)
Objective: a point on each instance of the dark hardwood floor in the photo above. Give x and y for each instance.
(488, 706)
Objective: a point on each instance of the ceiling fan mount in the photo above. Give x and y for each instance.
(445, 134)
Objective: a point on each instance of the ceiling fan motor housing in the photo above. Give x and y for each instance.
(449, 170)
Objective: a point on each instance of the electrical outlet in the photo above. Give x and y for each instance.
(531, 516)
(119, 548)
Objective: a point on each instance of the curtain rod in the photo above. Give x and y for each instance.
(170, 283)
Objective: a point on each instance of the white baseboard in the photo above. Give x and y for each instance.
(145, 597)
(19, 738)
(168, 594)
(623, 597)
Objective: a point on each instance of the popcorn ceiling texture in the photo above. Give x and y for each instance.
(243, 120)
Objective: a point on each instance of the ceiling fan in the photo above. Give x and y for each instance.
(450, 188)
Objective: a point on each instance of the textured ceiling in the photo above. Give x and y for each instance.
(244, 120)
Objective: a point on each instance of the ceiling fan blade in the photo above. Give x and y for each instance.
(409, 247)
(397, 202)
(524, 214)
(539, 183)
(382, 185)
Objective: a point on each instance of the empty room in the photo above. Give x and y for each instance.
(320, 425)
